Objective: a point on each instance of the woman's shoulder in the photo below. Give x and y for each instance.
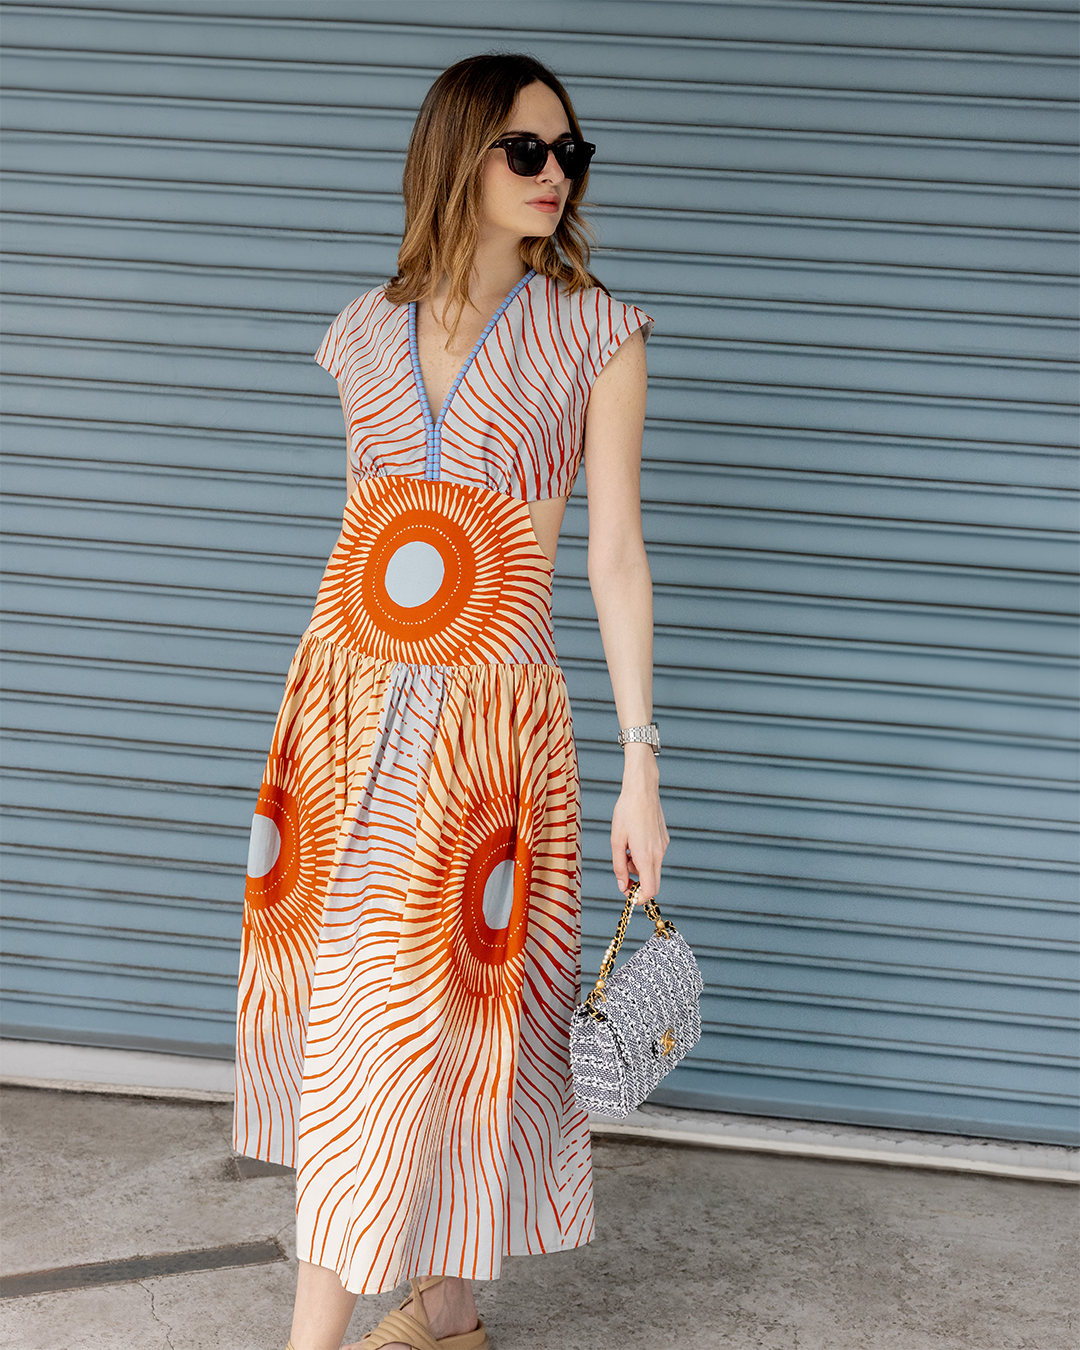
(594, 306)
(365, 306)
(359, 323)
(600, 320)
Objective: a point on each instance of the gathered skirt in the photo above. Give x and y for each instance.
(411, 939)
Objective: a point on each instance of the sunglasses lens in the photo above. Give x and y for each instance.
(527, 158)
(573, 157)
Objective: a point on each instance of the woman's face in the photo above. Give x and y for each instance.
(527, 207)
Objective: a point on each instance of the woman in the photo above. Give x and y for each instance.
(412, 918)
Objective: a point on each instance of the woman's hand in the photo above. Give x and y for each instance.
(639, 837)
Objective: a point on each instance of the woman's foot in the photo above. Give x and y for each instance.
(450, 1308)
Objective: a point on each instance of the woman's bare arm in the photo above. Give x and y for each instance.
(350, 477)
(622, 592)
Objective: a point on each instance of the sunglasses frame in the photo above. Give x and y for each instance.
(507, 142)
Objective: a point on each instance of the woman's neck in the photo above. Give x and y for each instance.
(497, 268)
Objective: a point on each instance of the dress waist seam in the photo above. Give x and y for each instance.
(311, 638)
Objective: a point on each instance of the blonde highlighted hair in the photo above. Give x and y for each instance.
(466, 109)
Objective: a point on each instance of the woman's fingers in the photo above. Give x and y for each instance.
(620, 863)
(649, 881)
(639, 839)
(646, 873)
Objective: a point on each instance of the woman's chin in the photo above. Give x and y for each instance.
(540, 229)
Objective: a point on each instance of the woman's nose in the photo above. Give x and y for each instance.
(551, 172)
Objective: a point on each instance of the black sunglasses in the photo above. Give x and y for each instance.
(526, 155)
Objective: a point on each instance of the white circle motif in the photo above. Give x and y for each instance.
(264, 847)
(414, 573)
(499, 894)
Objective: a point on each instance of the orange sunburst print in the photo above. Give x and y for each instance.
(293, 840)
(496, 836)
(439, 573)
(292, 847)
(456, 1117)
(494, 907)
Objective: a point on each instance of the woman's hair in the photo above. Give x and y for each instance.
(466, 109)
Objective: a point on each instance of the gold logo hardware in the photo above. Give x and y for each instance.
(667, 1043)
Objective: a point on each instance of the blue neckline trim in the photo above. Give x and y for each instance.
(433, 426)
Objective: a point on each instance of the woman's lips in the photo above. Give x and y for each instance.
(550, 205)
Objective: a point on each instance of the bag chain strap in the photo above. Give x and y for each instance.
(663, 929)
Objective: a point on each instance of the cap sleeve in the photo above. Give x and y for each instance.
(334, 349)
(615, 323)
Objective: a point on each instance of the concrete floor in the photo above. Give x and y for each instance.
(697, 1249)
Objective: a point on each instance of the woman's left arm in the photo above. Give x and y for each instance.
(622, 592)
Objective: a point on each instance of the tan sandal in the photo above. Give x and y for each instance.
(415, 1331)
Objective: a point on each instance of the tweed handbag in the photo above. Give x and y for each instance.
(637, 1023)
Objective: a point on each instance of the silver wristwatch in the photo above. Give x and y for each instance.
(649, 735)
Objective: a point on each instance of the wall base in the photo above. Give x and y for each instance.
(81, 1068)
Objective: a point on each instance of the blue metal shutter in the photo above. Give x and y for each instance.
(852, 223)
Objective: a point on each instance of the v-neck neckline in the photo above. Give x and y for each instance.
(433, 426)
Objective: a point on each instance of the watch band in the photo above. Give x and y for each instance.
(648, 735)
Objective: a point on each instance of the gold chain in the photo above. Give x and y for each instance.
(663, 929)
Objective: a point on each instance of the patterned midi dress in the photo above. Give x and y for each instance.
(411, 937)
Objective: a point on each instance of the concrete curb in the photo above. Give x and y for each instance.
(838, 1152)
(117, 1089)
(135, 1073)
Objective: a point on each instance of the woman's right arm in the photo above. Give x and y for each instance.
(350, 477)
